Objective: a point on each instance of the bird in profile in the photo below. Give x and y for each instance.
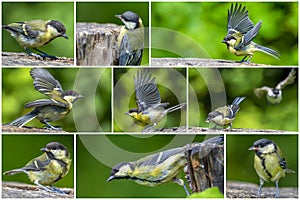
(223, 116)
(274, 95)
(240, 33)
(36, 33)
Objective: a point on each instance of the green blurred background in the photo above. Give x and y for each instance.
(104, 12)
(206, 24)
(239, 160)
(97, 154)
(18, 12)
(255, 113)
(92, 113)
(171, 85)
(17, 150)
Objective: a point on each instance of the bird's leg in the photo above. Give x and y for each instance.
(276, 190)
(181, 182)
(50, 127)
(243, 60)
(41, 186)
(148, 128)
(54, 189)
(44, 55)
(261, 182)
(29, 53)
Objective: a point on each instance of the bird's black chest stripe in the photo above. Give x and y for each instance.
(61, 162)
(263, 163)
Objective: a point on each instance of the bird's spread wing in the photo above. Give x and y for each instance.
(127, 55)
(45, 83)
(238, 19)
(146, 90)
(290, 79)
(259, 92)
(250, 35)
(44, 102)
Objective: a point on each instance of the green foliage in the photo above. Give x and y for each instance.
(240, 160)
(211, 88)
(17, 150)
(206, 23)
(213, 192)
(87, 114)
(18, 12)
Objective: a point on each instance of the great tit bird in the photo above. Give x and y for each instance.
(240, 33)
(274, 95)
(269, 163)
(48, 168)
(159, 168)
(48, 110)
(150, 110)
(131, 39)
(36, 33)
(223, 116)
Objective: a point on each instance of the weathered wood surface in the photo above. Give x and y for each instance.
(25, 129)
(22, 59)
(96, 44)
(199, 62)
(21, 190)
(249, 190)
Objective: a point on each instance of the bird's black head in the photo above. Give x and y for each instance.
(120, 171)
(263, 146)
(71, 96)
(60, 28)
(132, 110)
(276, 91)
(130, 19)
(55, 146)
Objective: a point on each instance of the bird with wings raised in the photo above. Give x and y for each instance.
(240, 33)
(48, 110)
(149, 109)
(274, 95)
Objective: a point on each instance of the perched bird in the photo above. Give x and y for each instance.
(150, 110)
(274, 95)
(269, 163)
(158, 168)
(48, 110)
(131, 39)
(240, 33)
(223, 116)
(36, 33)
(48, 168)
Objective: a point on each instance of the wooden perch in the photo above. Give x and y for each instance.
(199, 62)
(96, 44)
(22, 59)
(21, 190)
(249, 190)
(25, 129)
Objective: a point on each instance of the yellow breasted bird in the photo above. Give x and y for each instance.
(240, 33)
(150, 110)
(36, 33)
(131, 39)
(48, 168)
(223, 116)
(48, 110)
(269, 163)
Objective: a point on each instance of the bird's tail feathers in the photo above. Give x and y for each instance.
(179, 106)
(235, 105)
(23, 120)
(13, 172)
(268, 51)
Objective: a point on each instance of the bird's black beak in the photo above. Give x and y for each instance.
(44, 149)
(127, 113)
(253, 149)
(118, 16)
(110, 178)
(65, 36)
